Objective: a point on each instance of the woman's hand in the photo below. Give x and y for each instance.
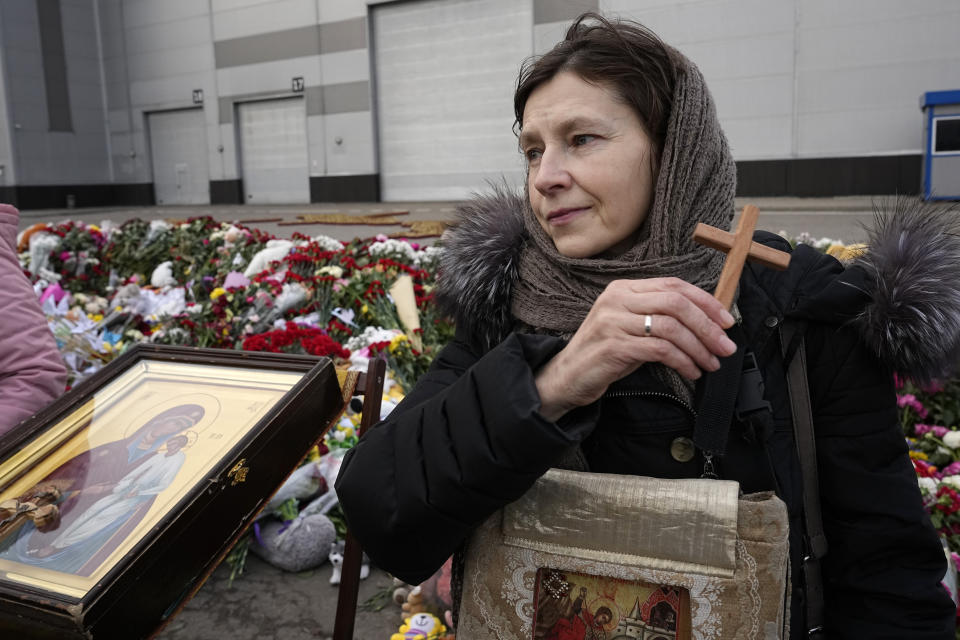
(687, 335)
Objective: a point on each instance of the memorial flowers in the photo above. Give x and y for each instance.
(205, 283)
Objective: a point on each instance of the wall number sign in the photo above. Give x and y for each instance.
(298, 84)
(198, 96)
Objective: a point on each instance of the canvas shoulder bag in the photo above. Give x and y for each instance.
(601, 556)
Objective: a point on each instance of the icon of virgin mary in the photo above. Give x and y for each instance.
(105, 492)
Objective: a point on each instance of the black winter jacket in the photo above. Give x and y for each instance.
(469, 439)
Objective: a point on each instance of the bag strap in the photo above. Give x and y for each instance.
(791, 339)
(718, 395)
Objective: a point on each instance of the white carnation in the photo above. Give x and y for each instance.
(327, 243)
(332, 270)
(928, 485)
(952, 481)
(952, 439)
(371, 335)
(391, 248)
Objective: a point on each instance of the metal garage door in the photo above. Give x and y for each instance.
(273, 151)
(445, 76)
(178, 150)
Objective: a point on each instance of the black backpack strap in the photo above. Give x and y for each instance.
(716, 402)
(815, 542)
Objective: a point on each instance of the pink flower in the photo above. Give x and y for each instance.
(64, 255)
(909, 400)
(939, 431)
(951, 469)
(922, 429)
(53, 291)
(236, 280)
(380, 237)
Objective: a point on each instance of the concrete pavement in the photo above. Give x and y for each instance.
(839, 218)
(269, 604)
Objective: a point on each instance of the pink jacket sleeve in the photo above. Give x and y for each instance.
(32, 373)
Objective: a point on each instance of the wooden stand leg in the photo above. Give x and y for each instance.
(352, 553)
(349, 589)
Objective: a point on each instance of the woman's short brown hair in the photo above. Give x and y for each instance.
(622, 55)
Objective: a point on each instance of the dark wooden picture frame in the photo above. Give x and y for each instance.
(154, 467)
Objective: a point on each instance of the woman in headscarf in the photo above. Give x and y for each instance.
(584, 324)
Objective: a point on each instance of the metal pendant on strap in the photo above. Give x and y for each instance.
(708, 468)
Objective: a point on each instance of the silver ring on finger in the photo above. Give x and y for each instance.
(648, 325)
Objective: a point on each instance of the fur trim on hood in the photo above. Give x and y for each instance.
(913, 318)
(481, 262)
(908, 309)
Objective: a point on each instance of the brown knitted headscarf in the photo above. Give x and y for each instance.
(696, 183)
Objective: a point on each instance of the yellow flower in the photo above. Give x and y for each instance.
(216, 293)
(348, 431)
(96, 317)
(93, 227)
(364, 309)
(396, 342)
(848, 252)
(918, 455)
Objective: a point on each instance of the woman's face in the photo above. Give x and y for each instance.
(590, 176)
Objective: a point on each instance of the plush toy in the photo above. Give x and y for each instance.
(400, 588)
(301, 544)
(414, 604)
(336, 559)
(422, 626)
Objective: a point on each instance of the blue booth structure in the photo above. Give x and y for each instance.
(941, 137)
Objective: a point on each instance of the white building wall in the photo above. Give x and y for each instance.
(155, 55)
(862, 67)
(813, 78)
(334, 65)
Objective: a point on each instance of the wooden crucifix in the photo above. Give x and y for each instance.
(739, 247)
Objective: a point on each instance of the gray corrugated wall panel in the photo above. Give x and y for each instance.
(346, 97)
(292, 43)
(561, 10)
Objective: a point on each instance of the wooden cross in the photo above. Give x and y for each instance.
(739, 247)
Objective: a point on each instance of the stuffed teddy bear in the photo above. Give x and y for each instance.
(421, 626)
(415, 603)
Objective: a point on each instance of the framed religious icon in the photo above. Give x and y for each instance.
(572, 605)
(120, 498)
